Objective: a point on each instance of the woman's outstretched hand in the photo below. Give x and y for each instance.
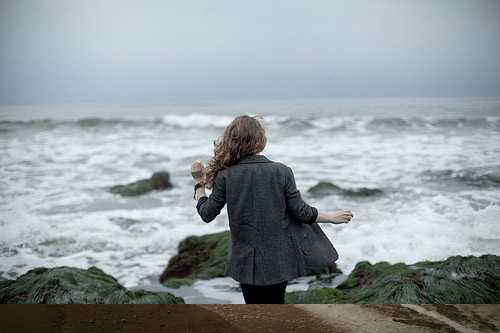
(197, 170)
(342, 216)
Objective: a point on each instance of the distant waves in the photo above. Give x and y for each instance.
(219, 121)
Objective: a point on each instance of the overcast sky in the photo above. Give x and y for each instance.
(105, 51)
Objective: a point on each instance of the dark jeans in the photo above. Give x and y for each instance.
(271, 294)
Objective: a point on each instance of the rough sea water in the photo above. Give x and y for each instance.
(436, 162)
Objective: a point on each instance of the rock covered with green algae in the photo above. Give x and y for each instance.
(203, 257)
(158, 181)
(325, 188)
(199, 257)
(68, 285)
(455, 280)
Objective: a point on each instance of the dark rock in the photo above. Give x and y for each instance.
(92, 122)
(199, 257)
(68, 285)
(483, 177)
(362, 192)
(455, 280)
(325, 188)
(333, 269)
(326, 277)
(89, 122)
(326, 281)
(204, 257)
(159, 181)
(123, 222)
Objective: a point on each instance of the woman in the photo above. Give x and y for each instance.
(275, 235)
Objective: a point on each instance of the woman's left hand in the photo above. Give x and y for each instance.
(197, 170)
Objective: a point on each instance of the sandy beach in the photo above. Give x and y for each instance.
(250, 318)
(105, 318)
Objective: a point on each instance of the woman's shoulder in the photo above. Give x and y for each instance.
(279, 168)
(255, 160)
(280, 165)
(275, 164)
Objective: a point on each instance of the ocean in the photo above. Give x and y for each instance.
(436, 162)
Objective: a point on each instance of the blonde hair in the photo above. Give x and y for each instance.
(245, 135)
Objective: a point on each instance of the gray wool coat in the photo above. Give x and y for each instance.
(274, 236)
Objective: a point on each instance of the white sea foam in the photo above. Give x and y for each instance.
(426, 228)
(220, 289)
(196, 120)
(20, 228)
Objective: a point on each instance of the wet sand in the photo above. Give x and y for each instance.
(270, 318)
(250, 318)
(115, 318)
(408, 317)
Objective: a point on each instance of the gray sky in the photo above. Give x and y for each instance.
(92, 51)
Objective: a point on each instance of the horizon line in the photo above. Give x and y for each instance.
(236, 100)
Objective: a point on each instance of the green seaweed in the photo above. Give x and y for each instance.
(456, 280)
(68, 285)
(199, 257)
(362, 192)
(158, 181)
(316, 296)
(326, 188)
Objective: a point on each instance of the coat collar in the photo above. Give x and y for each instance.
(253, 159)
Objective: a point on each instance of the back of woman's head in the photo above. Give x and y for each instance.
(245, 135)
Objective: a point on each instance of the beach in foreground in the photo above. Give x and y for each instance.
(250, 318)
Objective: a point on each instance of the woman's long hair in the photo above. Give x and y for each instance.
(245, 135)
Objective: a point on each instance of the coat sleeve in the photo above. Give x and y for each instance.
(209, 207)
(294, 203)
